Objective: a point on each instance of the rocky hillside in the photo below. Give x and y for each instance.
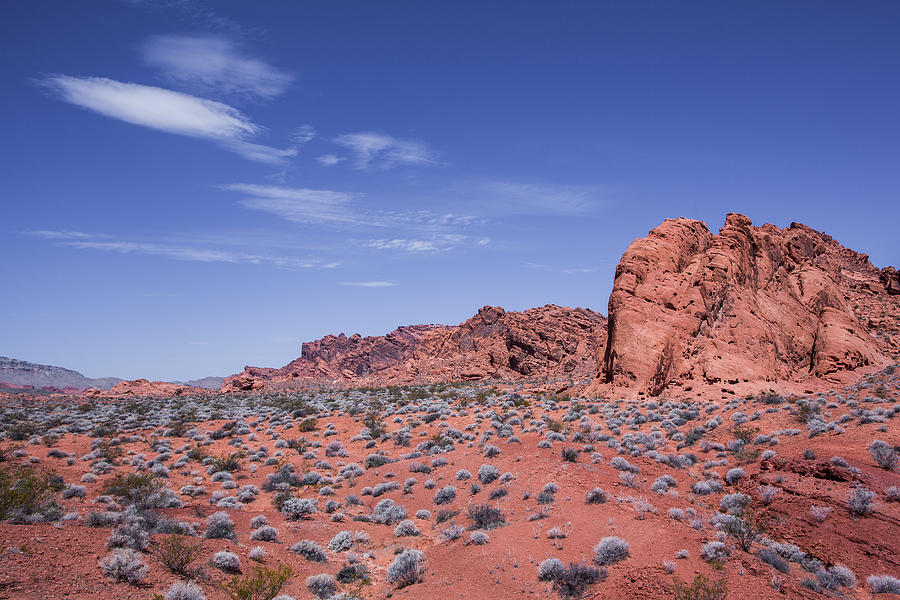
(751, 303)
(537, 343)
(28, 374)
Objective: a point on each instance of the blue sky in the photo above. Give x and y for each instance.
(192, 186)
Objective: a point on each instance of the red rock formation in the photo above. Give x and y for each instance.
(752, 303)
(539, 342)
(143, 387)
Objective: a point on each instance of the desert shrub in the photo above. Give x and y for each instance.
(767, 493)
(837, 576)
(445, 495)
(550, 569)
(610, 550)
(714, 551)
(498, 493)
(308, 425)
(452, 533)
(257, 553)
(298, 508)
(883, 454)
(892, 493)
(820, 513)
(322, 585)
(485, 516)
(462, 475)
(184, 590)
(353, 572)
(702, 588)
(25, 491)
(266, 533)
(572, 582)
(258, 521)
(406, 528)
(373, 461)
(134, 488)
(734, 503)
(479, 538)
(74, 491)
(219, 526)
(734, 475)
(262, 584)
(859, 501)
(490, 451)
(662, 484)
(621, 464)
(177, 552)
(309, 550)
(569, 454)
(227, 463)
(883, 584)
(342, 541)
(226, 561)
(595, 496)
(770, 557)
(445, 515)
(130, 534)
(488, 473)
(124, 565)
(387, 512)
(745, 528)
(407, 568)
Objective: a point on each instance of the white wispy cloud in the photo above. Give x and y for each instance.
(59, 235)
(379, 151)
(404, 244)
(300, 205)
(169, 111)
(193, 253)
(368, 284)
(438, 242)
(214, 62)
(329, 160)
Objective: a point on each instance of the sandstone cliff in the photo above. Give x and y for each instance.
(537, 343)
(748, 304)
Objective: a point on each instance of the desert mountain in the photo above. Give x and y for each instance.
(28, 374)
(537, 343)
(748, 304)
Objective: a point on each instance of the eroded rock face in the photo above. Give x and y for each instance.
(539, 342)
(751, 303)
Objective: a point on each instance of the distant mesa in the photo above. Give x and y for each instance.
(21, 375)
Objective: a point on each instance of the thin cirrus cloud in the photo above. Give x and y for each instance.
(368, 284)
(301, 205)
(182, 252)
(379, 151)
(169, 111)
(329, 160)
(342, 210)
(214, 63)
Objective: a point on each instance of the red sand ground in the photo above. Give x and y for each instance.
(61, 560)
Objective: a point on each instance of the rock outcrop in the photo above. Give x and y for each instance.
(143, 387)
(537, 343)
(751, 303)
